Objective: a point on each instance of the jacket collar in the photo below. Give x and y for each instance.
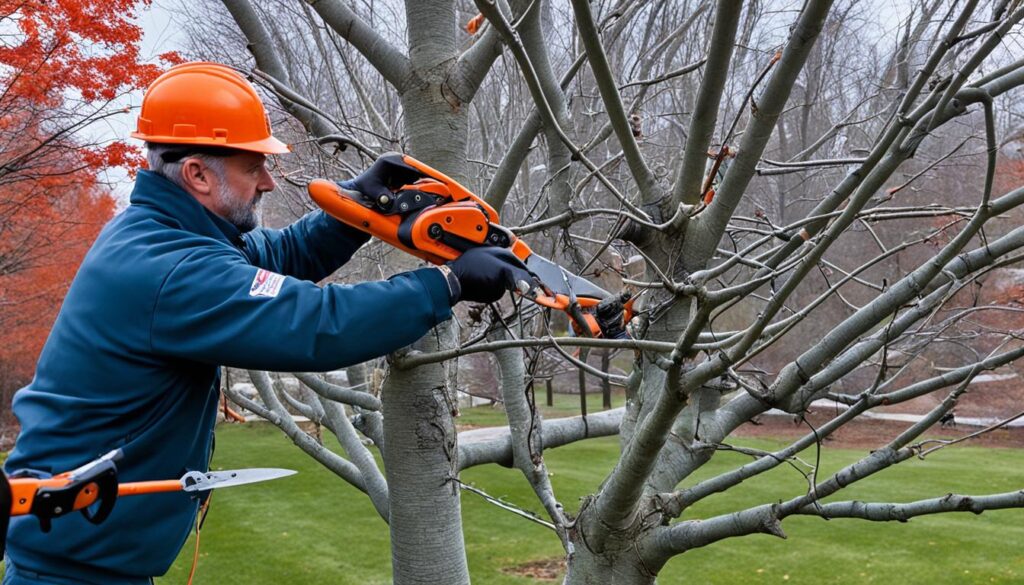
(157, 192)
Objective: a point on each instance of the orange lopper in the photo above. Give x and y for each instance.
(428, 214)
(93, 488)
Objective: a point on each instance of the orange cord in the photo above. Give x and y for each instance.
(230, 414)
(200, 518)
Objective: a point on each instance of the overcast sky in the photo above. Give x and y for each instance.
(159, 36)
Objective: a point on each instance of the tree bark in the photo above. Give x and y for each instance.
(620, 564)
(606, 384)
(421, 458)
(436, 120)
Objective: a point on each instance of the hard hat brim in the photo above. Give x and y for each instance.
(269, 145)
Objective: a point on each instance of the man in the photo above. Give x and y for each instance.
(179, 284)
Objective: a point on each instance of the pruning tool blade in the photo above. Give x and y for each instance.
(196, 481)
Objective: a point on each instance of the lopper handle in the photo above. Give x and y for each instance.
(149, 487)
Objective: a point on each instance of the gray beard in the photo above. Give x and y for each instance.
(244, 216)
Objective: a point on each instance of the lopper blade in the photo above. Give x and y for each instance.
(195, 481)
(561, 281)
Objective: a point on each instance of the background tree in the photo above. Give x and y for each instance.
(63, 65)
(811, 191)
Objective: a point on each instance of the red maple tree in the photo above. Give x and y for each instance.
(63, 63)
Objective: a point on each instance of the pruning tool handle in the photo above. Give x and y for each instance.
(47, 498)
(149, 487)
(436, 219)
(435, 228)
(455, 189)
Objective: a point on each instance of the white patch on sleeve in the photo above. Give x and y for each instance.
(266, 284)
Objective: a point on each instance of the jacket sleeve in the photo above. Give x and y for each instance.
(215, 308)
(310, 249)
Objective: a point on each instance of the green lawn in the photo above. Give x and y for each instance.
(312, 527)
(563, 405)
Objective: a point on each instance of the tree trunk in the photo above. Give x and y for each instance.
(420, 458)
(420, 449)
(436, 121)
(621, 566)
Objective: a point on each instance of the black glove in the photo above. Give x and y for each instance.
(485, 273)
(359, 237)
(387, 173)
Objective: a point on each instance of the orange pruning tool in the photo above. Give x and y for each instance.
(96, 483)
(430, 215)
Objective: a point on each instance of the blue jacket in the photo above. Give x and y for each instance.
(169, 292)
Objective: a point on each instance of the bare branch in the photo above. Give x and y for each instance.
(690, 173)
(385, 57)
(415, 359)
(490, 10)
(762, 123)
(481, 446)
(526, 430)
(667, 76)
(474, 64)
(612, 100)
(339, 393)
(283, 420)
(262, 48)
(888, 512)
(337, 420)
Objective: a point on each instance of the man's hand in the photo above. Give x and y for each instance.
(387, 173)
(356, 235)
(486, 273)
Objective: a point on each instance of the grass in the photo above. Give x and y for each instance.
(562, 405)
(313, 527)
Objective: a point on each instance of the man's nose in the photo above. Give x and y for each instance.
(266, 182)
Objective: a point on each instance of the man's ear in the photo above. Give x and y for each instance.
(196, 177)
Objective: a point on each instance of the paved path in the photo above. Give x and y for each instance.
(970, 421)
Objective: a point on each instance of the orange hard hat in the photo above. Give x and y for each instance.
(206, 105)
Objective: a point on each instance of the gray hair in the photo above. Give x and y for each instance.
(172, 170)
